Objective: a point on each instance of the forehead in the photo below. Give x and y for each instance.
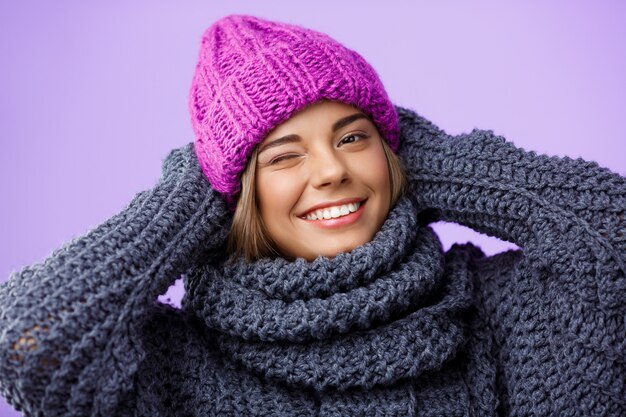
(320, 114)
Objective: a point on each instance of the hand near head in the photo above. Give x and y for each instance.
(195, 198)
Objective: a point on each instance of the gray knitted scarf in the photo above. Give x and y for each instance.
(391, 310)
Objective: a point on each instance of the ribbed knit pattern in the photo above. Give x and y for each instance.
(393, 328)
(253, 74)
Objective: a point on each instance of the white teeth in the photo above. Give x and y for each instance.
(333, 212)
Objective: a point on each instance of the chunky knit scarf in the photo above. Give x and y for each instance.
(386, 315)
(395, 327)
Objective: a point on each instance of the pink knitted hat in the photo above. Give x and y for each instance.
(253, 74)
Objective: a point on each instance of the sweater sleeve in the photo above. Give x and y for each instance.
(67, 341)
(569, 218)
(564, 213)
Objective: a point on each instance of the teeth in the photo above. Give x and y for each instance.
(333, 212)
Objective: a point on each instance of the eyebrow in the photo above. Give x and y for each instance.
(345, 121)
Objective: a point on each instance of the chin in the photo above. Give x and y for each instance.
(330, 253)
(328, 247)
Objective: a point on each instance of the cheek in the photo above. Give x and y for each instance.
(277, 193)
(374, 170)
(382, 172)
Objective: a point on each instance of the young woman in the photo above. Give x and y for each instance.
(314, 285)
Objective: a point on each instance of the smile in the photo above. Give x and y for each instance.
(333, 212)
(355, 210)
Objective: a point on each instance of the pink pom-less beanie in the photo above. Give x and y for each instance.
(253, 74)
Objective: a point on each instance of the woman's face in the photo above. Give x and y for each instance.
(322, 181)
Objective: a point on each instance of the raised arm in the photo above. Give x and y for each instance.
(563, 212)
(557, 310)
(67, 324)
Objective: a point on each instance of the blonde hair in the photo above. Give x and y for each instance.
(248, 236)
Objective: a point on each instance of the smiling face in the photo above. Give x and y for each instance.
(322, 181)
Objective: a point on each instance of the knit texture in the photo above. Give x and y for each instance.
(395, 327)
(253, 74)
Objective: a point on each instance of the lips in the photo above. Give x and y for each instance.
(337, 223)
(331, 204)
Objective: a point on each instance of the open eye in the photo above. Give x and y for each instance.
(351, 138)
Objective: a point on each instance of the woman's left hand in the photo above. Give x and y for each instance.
(565, 214)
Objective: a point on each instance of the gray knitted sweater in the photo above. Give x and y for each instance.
(395, 327)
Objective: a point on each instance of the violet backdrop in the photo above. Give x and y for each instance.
(94, 95)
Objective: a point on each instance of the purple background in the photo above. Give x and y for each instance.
(94, 96)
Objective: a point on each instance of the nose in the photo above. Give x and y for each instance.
(328, 169)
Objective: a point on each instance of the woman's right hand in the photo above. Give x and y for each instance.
(67, 324)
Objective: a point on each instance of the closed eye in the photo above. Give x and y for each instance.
(282, 158)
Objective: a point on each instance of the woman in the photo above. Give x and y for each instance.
(314, 284)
